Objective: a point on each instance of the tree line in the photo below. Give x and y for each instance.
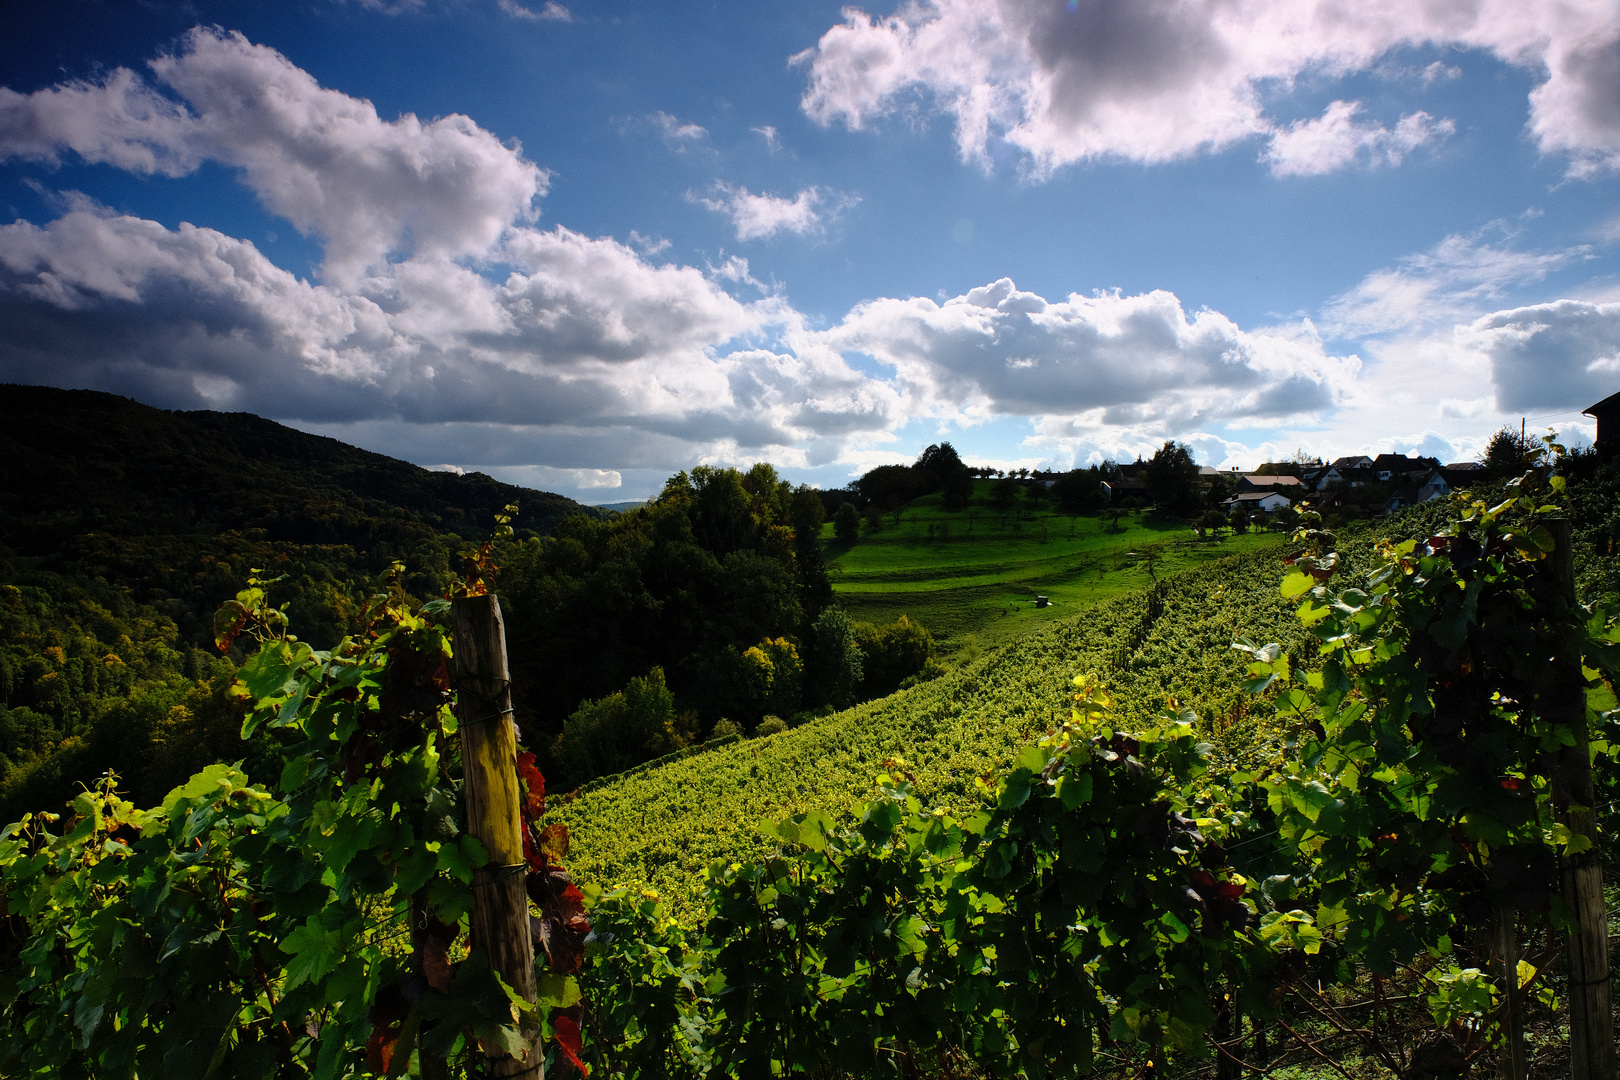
(707, 612)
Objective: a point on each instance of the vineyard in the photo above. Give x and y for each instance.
(1366, 839)
(661, 827)
(1407, 827)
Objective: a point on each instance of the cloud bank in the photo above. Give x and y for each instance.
(1156, 80)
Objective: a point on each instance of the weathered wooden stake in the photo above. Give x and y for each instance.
(1591, 1028)
(1502, 951)
(500, 915)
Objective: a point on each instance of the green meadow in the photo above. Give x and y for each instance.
(971, 575)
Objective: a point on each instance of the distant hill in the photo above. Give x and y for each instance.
(98, 486)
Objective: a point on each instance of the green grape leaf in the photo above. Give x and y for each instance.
(315, 951)
(1296, 584)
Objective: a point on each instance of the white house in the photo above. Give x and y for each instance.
(1263, 502)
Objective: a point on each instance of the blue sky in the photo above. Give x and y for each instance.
(581, 246)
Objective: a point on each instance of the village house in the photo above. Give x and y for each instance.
(1292, 485)
(1432, 486)
(1388, 468)
(1261, 502)
(1323, 479)
(1460, 474)
(1607, 415)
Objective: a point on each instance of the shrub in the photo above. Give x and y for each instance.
(892, 654)
(623, 729)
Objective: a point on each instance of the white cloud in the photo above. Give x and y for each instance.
(319, 158)
(1334, 140)
(735, 269)
(649, 245)
(582, 333)
(762, 216)
(676, 135)
(773, 142)
(551, 12)
(1562, 355)
(1453, 281)
(1438, 70)
(1106, 359)
(1156, 80)
(454, 329)
(475, 317)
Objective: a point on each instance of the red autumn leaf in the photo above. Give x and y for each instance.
(564, 946)
(380, 1047)
(569, 1042)
(534, 787)
(554, 841)
(570, 904)
(229, 621)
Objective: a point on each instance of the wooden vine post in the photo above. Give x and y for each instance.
(1502, 949)
(1591, 1030)
(500, 914)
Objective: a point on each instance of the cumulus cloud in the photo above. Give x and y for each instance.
(1156, 80)
(1335, 139)
(1563, 355)
(762, 216)
(323, 160)
(649, 245)
(1448, 358)
(455, 329)
(1107, 359)
(441, 305)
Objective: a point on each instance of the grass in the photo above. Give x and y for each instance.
(971, 575)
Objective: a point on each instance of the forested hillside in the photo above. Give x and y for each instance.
(123, 527)
(178, 505)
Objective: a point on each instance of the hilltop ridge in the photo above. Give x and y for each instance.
(93, 485)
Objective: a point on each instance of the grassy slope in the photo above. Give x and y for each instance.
(662, 826)
(975, 587)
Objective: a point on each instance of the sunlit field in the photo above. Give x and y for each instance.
(971, 575)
